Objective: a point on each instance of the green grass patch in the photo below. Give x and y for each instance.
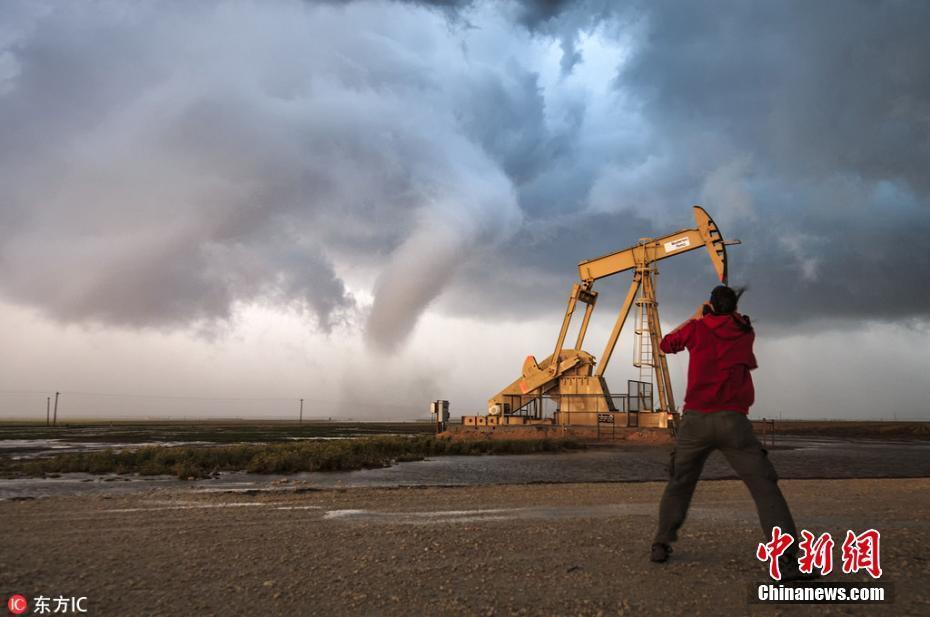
(274, 458)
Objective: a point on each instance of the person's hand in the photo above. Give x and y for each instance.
(699, 313)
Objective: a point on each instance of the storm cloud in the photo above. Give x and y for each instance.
(807, 126)
(804, 129)
(168, 161)
(163, 163)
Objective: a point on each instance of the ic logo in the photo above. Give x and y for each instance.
(17, 604)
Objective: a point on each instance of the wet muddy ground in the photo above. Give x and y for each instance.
(30, 440)
(793, 458)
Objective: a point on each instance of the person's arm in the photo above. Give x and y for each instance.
(677, 339)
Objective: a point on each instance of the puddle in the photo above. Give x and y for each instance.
(34, 448)
(794, 458)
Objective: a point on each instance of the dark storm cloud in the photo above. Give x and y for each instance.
(163, 163)
(803, 127)
(816, 89)
(824, 109)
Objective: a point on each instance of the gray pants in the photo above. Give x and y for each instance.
(731, 433)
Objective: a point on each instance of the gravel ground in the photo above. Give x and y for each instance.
(542, 549)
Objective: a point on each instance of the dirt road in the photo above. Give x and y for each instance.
(571, 549)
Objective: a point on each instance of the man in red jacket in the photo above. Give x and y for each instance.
(719, 341)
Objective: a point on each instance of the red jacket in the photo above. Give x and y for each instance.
(721, 358)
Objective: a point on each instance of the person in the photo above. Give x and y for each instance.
(720, 391)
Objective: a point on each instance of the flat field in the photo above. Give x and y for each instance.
(211, 431)
(568, 549)
(536, 534)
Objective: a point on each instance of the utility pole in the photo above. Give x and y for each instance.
(55, 415)
(301, 411)
(48, 410)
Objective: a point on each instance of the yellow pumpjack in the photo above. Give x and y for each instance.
(572, 377)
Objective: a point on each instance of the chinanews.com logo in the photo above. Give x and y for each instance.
(18, 604)
(860, 552)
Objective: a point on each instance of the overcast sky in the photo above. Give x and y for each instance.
(375, 204)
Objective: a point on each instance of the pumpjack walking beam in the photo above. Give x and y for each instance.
(706, 235)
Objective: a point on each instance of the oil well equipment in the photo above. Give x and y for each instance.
(572, 380)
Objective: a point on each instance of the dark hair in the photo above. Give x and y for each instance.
(724, 300)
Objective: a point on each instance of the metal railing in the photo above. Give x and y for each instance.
(638, 398)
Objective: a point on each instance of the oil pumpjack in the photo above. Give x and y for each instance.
(573, 378)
